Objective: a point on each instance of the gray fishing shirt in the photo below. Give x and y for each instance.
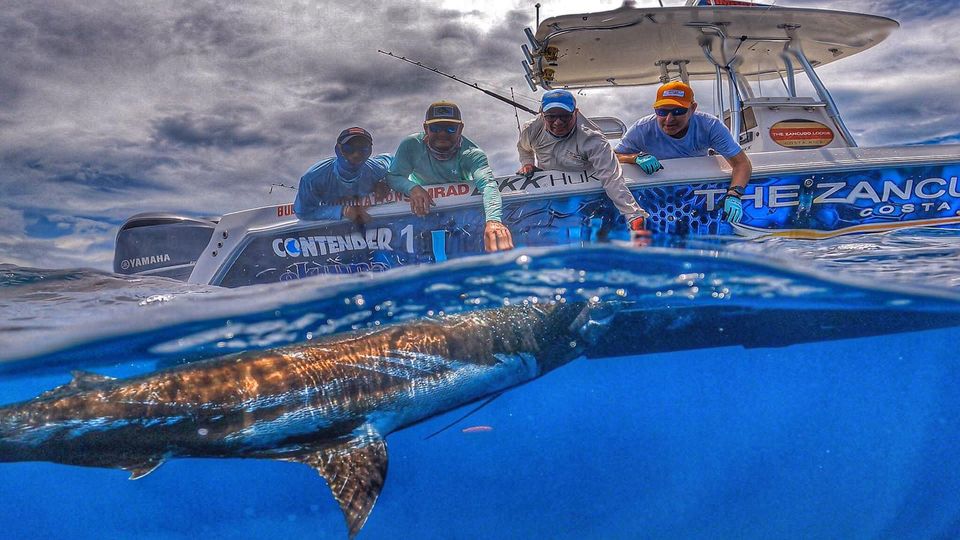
(583, 149)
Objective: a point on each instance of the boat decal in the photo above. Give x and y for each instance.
(812, 234)
(801, 134)
(817, 204)
(439, 239)
(545, 180)
(302, 270)
(315, 246)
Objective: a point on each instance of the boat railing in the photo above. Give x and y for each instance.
(738, 85)
(783, 101)
(794, 47)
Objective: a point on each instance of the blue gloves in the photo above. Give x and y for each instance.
(732, 209)
(648, 163)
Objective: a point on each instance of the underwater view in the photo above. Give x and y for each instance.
(728, 388)
(432, 269)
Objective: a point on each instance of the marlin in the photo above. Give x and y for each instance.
(327, 403)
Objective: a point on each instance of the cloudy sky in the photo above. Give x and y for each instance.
(109, 107)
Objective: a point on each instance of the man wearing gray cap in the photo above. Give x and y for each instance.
(560, 138)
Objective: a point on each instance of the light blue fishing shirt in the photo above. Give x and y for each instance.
(413, 165)
(704, 132)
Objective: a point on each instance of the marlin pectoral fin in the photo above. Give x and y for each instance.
(140, 470)
(355, 471)
(594, 320)
(82, 380)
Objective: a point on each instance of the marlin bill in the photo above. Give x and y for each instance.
(327, 403)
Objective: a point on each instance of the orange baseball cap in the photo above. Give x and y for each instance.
(674, 94)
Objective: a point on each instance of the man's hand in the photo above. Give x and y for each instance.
(528, 170)
(356, 214)
(639, 234)
(381, 189)
(497, 237)
(732, 209)
(647, 163)
(420, 201)
(627, 158)
(638, 224)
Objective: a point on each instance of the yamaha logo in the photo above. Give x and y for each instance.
(127, 264)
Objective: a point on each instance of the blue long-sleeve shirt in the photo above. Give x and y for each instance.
(321, 187)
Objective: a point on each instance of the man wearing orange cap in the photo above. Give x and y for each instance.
(677, 130)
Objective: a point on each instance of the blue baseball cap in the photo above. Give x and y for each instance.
(558, 99)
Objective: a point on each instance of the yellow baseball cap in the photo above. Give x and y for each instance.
(443, 111)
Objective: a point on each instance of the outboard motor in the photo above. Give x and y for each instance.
(158, 244)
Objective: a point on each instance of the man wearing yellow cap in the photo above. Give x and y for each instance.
(677, 130)
(441, 154)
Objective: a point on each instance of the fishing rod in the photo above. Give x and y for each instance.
(281, 185)
(516, 114)
(461, 81)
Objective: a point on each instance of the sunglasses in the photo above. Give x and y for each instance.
(679, 111)
(356, 148)
(440, 129)
(558, 117)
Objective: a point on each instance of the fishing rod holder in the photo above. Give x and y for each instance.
(680, 69)
(528, 76)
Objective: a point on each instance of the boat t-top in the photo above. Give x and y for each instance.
(810, 177)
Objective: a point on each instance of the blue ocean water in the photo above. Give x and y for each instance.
(775, 388)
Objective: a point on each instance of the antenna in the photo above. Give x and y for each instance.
(537, 5)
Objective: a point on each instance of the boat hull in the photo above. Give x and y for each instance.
(817, 194)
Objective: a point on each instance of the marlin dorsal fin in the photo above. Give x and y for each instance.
(355, 471)
(82, 380)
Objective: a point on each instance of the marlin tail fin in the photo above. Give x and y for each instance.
(355, 471)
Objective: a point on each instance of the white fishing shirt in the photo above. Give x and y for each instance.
(583, 149)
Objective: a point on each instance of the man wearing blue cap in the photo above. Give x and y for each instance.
(351, 173)
(441, 154)
(560, 138)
